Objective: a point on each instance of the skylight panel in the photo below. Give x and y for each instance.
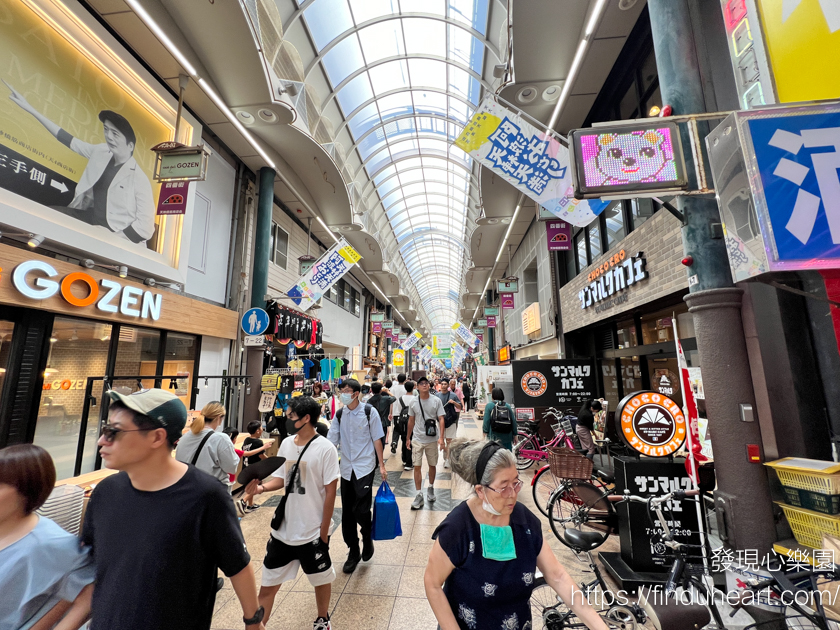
(364, 10)
(424, 36)
(365, 119)
(426, 73)
(326, 20)
(382, 40)
(352, 95)
(343, 60)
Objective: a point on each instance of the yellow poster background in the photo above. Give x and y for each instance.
(803, 51)
(68, 88)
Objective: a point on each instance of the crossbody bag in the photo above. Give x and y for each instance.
(280, 512)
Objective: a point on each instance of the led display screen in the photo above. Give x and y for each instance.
(611, 161)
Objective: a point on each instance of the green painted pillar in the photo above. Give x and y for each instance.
(262, 238)
(743, 505)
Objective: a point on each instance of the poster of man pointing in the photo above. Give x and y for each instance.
(72, 138)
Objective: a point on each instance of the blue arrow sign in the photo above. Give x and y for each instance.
(255, 321)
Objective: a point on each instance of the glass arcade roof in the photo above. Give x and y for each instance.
(406, 76)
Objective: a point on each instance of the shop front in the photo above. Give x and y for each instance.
(68, 334)
(622, 310)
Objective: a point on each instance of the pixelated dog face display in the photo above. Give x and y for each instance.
(607, 160)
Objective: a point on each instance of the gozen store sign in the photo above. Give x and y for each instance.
(547, 383)
(651, 424)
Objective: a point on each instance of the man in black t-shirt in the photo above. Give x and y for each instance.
(160, 529)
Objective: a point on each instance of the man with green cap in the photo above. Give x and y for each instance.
(160, 529)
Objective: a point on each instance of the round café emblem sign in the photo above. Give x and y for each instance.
(533, 383)
(651, 423)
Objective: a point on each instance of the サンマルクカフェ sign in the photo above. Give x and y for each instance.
(610, 279)
(549, 382)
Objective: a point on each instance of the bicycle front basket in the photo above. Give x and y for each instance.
(568, 464)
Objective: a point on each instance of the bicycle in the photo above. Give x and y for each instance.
(578, 504)
(531, 446)
(544, 483)
(547, 607)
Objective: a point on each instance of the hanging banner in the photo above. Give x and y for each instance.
(399, 357)
(441, 347)
(506, 300)
(329, 268)
(491, 310)
(491, 321)
(695, 447)
(532, 160)
(465, 333)
(559, 236)
(412, 339)
(388, 324)
(173, 198)
(480, 337)
(482, 322)
(377, 317)
(376, 328)
(508, 286)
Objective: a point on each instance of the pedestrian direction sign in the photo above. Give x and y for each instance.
(254, 321)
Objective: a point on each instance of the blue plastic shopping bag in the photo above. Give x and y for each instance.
(386, 514)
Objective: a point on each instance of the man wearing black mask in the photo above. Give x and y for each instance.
(301, 539)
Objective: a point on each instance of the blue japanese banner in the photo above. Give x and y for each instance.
(530, 159)
(326, 271)
(798, 157)
(412, 339)
(465, 333)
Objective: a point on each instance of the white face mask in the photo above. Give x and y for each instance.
(488, 507)
(346, 399)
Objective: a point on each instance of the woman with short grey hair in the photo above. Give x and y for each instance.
(481, 570)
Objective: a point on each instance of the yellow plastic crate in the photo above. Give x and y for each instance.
(808, 526)
(808, 474)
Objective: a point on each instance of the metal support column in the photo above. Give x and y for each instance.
(262, 238)
(743, 499)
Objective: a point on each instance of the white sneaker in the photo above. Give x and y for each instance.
(418, 501)
(430, 495)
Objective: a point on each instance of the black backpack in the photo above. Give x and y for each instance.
(500, 420)
(401, 422)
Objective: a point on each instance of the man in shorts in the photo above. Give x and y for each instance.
(302, 539)
(426, 435)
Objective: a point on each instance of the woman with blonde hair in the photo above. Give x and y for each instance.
(482, 567)
(206, 447)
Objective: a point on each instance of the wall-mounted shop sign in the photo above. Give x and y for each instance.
(547, 383)
(627, 161)
(504, 353)
(507, 301)
(531, 319)
(32, 279)
(508, 286)
(491, 321)
(776, 181)
(615, 275)
(652, 424)
(482, 322)
(181, 164)
(377, 317)
(559, 236)
(491, 310)
(173, 198)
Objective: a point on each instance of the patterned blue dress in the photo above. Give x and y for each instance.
(489, 594)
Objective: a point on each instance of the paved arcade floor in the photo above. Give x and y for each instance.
(386, 593)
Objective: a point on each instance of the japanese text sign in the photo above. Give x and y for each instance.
(376, 328)
(412, 339)
(329, 268)
(464, 333)
(491, 321)
(547, 383)
(491, 310)
(508, 286)
(530, 159)
(559, 236)
(482, 322)
(173, 198)
(507, 302)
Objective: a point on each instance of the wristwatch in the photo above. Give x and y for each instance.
(256, 619)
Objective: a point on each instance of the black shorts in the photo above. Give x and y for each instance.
(312, 557)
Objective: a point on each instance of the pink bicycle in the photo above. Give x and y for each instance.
(531, 447)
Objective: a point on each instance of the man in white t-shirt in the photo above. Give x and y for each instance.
(397, 390)
(302, 539)
(426, 435)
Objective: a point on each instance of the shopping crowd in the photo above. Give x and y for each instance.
(155, 534)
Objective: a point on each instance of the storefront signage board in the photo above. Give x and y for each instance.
(553, 382)
(533, 160)
(388, 324)
(508, 286)
(558, 235)
(72, 76)
(399, 357)
(173, 198)
(507, 301)
(614, 276)
(187, 163)
(377, 317)
(254, 321)
(647, 478)
(491, 321)
(627, 161)
(777, 186)
(115, 299)
(491, 310)
(531, 319)
(482, 322)
(376, 328)
(651, 424)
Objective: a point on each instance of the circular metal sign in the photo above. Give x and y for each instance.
(533, 383)
(651, 423)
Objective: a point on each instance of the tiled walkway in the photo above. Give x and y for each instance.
(386, 593)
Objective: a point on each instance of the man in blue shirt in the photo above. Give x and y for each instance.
(357, 432)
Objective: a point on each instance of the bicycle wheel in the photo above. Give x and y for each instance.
(548, 612)
(580, 505)
(543, 485)
(621, 618)
(529, 443)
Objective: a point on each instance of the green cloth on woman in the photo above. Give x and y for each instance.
(505, 439)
